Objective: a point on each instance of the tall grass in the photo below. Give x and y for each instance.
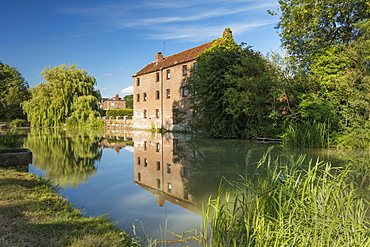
(287, 204)
(307, 134)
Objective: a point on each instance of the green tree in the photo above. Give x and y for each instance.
(307, 27)
(129, 101)
(67, 94)
(13, 91)
(232, 94)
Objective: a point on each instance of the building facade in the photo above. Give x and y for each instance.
(113, 103)
(160, 91)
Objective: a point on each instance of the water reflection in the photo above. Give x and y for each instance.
(186, 171)
(157, 179)
(68, 157)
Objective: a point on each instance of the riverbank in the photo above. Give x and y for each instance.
(32, 213)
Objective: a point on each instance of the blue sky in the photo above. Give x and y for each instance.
(113, 39)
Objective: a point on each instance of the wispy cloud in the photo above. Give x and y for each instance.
(178, 20)
(108, 74)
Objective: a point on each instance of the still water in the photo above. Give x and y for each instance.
(154, 183)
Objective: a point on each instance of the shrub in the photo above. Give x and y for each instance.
(120, 113)
(17, 123)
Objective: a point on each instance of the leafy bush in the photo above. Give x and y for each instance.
(120, 113)
(17, 122)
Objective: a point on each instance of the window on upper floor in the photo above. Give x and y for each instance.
(184, 70)
(158, 165)
(168, 74)
(145, 97)
(169, 168)
(157, 94)
(157, 77)
(168, 93)
(138, 97)
(139, 176)
(157, 147)
(185, 91)
(138, 81)
(145, 114)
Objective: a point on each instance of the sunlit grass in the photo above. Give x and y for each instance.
(32, 213)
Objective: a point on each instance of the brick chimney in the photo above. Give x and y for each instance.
(158, 57)
(117, 97)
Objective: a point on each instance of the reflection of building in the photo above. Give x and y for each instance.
(116, 140)
(159, 171)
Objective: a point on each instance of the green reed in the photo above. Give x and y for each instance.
(287, 203)
(307, 134)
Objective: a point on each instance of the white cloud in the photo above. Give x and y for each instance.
(127, 90)
(101, 88)
(108, 74)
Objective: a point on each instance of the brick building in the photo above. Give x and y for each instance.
(113, 103)
(160, 92)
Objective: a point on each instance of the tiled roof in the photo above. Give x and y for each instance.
(181, 57)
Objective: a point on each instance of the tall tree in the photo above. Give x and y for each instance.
(231, 92)
(13, 91)
(129, 101)
(67, 94)
(307, 27)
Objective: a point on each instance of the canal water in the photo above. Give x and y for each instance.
(154, 184)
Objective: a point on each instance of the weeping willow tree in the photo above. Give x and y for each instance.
(67, 94)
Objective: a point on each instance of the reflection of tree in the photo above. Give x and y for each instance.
(208, 160)
(68, 156)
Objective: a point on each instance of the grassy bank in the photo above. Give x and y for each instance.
(32, 213)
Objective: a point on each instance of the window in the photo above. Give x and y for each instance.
(138, 97)
(158, 183)
(184, 70)
(157, 77)
(185, 172)
(138, 81)
(158, 166)
(145, 97)
(145, 162)
(157, 147)
(157, 95)
(138, 160)
(111, 104)
(169, 168)
(157, 113)
(138, 176)
(145, 114)
(186, 193)
(145, 145)
(168, 74)
(169, 187)
(185, 91)
(168, 93)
